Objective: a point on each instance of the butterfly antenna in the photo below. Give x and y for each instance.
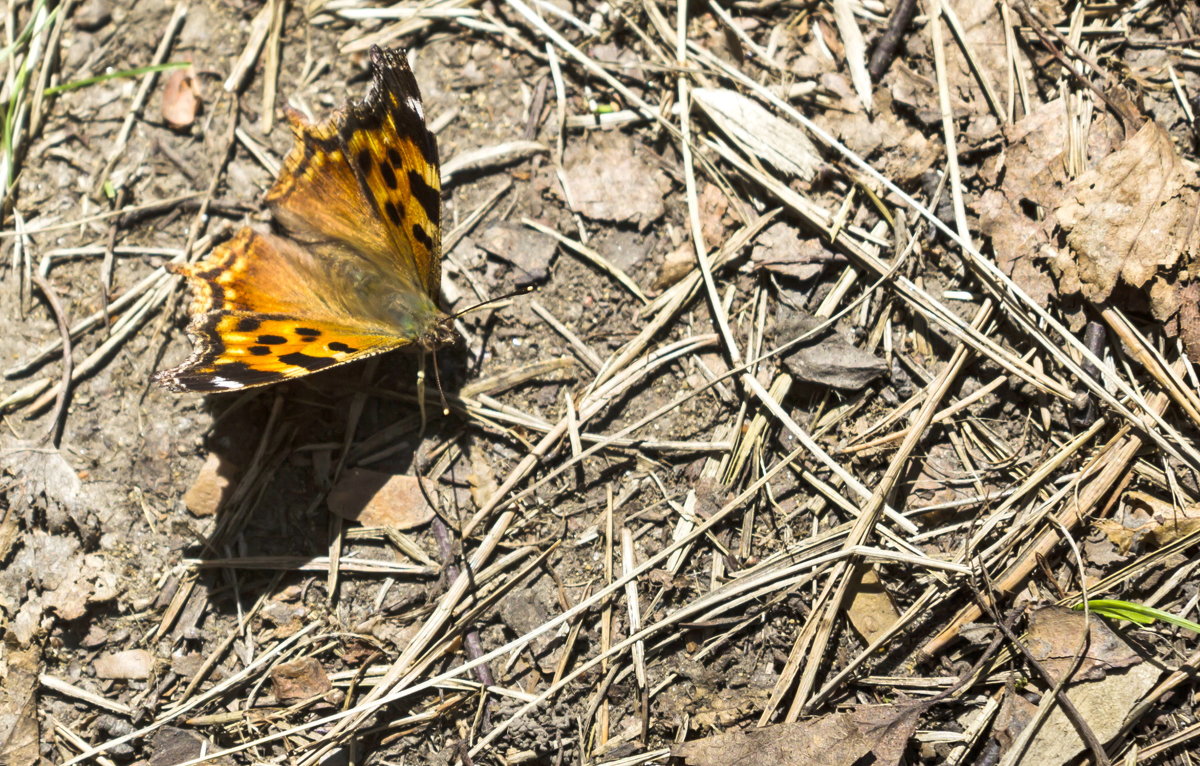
(523, 291)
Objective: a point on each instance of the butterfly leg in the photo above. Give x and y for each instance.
(421, 391)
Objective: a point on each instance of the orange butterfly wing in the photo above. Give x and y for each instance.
(356, 269)
(369, 176)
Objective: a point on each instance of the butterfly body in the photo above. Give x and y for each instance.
(353, 268)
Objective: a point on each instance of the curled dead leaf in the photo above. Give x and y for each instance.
(181, 98)
(299, 680)
(212, 486)
(1131, 220)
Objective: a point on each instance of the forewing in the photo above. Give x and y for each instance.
(368, 177)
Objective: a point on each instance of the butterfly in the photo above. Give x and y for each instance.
(353, 267)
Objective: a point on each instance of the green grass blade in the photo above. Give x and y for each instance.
(1142, 615)
(136, 72)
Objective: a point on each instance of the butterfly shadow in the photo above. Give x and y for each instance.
(277, 453)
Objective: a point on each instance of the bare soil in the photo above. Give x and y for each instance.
(160, 610)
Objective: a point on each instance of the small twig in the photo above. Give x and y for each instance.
(897, 27)
(271, 67)
(260, 27)
(164, 47)
(441, 533)
(1123, 108)
(59, 418)
(582, 351)
(1057, 688)
(106, 266)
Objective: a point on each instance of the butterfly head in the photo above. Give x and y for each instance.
(438, 334)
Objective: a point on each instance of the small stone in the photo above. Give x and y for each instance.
(96, 637)
(170, 745)
(212, 486)
(93, 15)
(131, 664)
(529, 252)
(376, 499)
(675, 266)
(299, 680)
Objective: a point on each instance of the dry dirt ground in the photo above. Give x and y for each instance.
(849, 549)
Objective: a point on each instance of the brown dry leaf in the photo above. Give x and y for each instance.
(1111, 681)
(899, 152)
(983, 25)
(675, 266)
(871, 609)
(1130, 219)
(299, 680)
(1101, 551)
(181, 98)
(782, 249)
(614, 183)
(31, 591)
(1031, 179)
(20, 732)
(287, 618)
(376, 499)
(130, 664)
(1055, 636)
(1126, 533)
(212, 487)
(188, 665)
(1033, 175)
(1167, 521)
(878, 734)
(828, 359)
(87, 580)
(171, 746)
(47, 479)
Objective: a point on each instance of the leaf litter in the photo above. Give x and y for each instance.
(815, 350)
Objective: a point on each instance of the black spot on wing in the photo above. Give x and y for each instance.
(365, 161)
(394, 90)
(429, 198)
(248, 324)
(428, 146)
(307, 331)
(389, 176)
(310, 363)
(260, 350)
(341, 348)
(395, 212)
(395, 158)
(314, 145)
(271, 340)
(418, 232)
